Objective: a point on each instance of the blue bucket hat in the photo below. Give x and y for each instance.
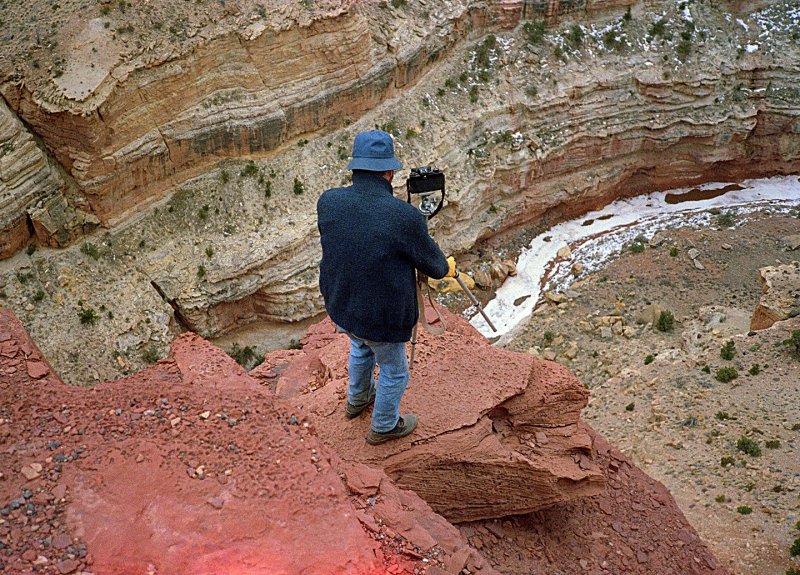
(374, 151)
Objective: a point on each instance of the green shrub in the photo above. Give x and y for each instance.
(793, 570)
(749, 446)
(209, 251)
(728, 350)
(87, 316)
(224, 177)
(535, 31)
(298, 187)
(150, 355)
(576, 35)
(294, 344)
(772, 444)
(722, 415)
(649, 359)
(794, 550)
(90, 250)
(706, 369)
(548, 337)
(754, 369)
(727, 461)
(666, 321)
(726, 374)
(744, 509)
(658, 28)
(725, 220)
(201, 271)
(39, 295)
(248, 357)
(249, 170)
(720, 498)
(636, 247)
(793, 343)
(473, 94)
(627, 16)
(673, 251)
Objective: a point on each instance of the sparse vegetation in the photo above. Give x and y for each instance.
(87, 316)
(727, 461)
(726, 374)
(224, 177)
(749, 446)
(298, 186)
(249, 170)
(576, 35)
(706, 369)
(637, 245)
(209, 251)
(649, 358)
(725, 220)
(658, 29)
(90, 250)
(247, 356)
(473, 94)
(201, 271)
(294, 344)
(548, 337)
(794, 550)
(728, 350)
(39, 295)
(673, 251)
(793, 343)
(772, 443)
(150, 355)
(744, 509)
(722, 415)
(754, 369)
(666, 321)
(535, 31)
(721, 498)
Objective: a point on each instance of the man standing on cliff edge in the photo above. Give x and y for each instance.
(372, 245)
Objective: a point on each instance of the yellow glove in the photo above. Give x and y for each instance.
(451, 272)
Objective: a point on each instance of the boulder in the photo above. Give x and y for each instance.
(479, 408)
(780, 295)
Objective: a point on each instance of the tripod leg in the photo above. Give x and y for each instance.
(474, 301)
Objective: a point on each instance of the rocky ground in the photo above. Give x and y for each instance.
(656, 394)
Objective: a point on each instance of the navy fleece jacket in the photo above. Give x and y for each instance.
(372, 243)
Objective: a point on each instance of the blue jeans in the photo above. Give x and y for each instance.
(392, 380)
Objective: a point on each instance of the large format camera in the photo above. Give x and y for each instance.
(428, 183)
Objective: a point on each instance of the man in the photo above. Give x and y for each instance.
(372, 245)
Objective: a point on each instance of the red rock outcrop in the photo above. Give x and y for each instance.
(194, 466)
(509, 445)
(191, 466)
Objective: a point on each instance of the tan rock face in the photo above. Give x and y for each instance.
(780, 295)
(512, 445)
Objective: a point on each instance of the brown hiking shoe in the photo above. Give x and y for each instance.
(352, 411)
(405, 425)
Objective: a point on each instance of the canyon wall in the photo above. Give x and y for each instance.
(203, 159)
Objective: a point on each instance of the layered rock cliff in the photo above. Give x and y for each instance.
(530, 124)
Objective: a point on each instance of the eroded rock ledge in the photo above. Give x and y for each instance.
(218, 472)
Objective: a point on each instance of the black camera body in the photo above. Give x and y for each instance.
(425, 179)
(427, 182)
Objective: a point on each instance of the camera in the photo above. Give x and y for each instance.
(427, 181)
